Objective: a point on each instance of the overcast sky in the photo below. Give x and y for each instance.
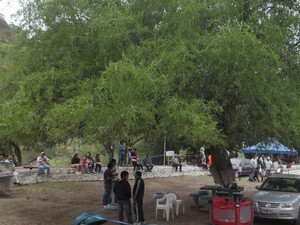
(9, 7)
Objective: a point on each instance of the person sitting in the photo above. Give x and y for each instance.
(97, 163)
(148, 163)
(87, 163)
(43, 164)
(75, 163)
(175, 163)
(15, 173)
(134, 160)
(202, 164)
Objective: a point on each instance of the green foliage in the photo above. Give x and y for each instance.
(213, 72)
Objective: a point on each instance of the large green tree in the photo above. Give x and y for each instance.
(196, 72)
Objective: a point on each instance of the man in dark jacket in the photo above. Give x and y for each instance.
(123, 194)
(138, 195)
(108, 183)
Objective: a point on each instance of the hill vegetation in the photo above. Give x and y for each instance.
(6, 34)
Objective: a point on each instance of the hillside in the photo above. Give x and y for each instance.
(6, 34)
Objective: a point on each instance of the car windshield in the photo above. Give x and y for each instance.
(281, 184)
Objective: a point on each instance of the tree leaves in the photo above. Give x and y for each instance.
(221, 72)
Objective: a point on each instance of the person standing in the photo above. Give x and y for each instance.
(268, 164)
(43, 164)
(202, 154)
(138, 196)
(97, 163)
(115, 176)
(256, 172)
(240, 170)
(123, 195)
(262, 166)
(108, 182)
(121, 149)
(129, 150)
(253, 162)
(134, 160)
(10, 159)
(209, 162)
(111, 153)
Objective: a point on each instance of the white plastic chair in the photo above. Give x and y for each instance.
(166, 204)
(178, 203)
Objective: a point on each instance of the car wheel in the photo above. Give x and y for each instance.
(297, 221)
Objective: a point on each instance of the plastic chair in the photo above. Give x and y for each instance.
(166, 204)
(178, 203)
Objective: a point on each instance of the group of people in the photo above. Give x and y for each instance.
(203, 161)
(123, 195)
(89, 165)
(11, 160)
(129, 154)
(261, 166)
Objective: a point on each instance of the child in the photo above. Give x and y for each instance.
(240, 170)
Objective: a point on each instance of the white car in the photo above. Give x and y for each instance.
(278, 198)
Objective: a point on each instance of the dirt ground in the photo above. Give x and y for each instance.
(61, 203)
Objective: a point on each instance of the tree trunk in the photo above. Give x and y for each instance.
(17, 152)
(221, 167)
(110, 149)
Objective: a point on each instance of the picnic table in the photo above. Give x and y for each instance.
(236, 194)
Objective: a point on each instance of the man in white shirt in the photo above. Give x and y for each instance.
(253, 162)
(43, 164)
(176, 163)
(268, 164)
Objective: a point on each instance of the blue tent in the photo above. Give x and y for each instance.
(271, 146)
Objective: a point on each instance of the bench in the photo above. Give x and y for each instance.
(197, 195)
(207, 199)
(238, 196)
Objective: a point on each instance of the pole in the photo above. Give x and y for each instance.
(165, 149)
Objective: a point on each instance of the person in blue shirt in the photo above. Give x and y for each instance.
(121, 149)
(148, 163)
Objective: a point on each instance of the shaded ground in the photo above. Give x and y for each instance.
(61, 203)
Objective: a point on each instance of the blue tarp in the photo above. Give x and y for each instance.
(271, 146)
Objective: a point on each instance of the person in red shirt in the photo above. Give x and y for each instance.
(87, 163)
(134, 160)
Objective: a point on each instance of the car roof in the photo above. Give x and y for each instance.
(291, 176)
(239, 159)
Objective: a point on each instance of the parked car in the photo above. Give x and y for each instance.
(278, 198)
(246, 169)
